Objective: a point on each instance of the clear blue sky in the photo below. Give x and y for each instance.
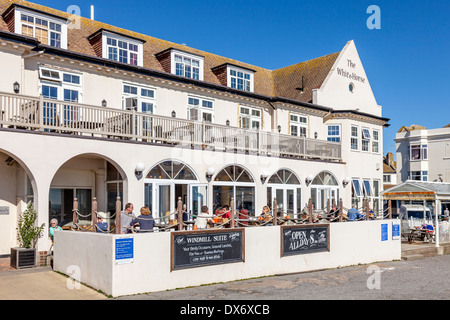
(407, 61)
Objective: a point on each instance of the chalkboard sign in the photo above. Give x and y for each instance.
(199, 248)
(304, 239)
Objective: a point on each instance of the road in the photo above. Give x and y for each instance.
(424, 279)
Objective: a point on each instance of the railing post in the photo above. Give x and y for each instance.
(367, 210)
(133, 124)
(232, 212)
(94, 214)
(328, 206)
(341, 210)
(390, 208)
(310, 207)
(75, 212)
(180, 214)
(118, 217)
(41, 113)
(275, 211)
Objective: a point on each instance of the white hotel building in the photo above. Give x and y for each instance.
(83, 104)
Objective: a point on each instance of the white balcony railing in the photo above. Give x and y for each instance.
(25, 112)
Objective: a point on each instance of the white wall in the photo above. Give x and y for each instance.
(351, 243)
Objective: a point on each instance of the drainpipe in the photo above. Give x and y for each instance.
(33, 54)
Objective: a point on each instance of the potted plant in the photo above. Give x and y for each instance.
(28, 233)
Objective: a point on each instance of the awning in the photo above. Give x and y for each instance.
(418, 190)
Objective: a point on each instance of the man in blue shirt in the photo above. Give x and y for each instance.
(101, 226)
(353, 214)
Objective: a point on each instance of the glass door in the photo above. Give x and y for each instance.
(286, 199)
(198, 197)
(163, 199)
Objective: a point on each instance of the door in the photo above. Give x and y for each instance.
(198, 197)
(286, 199)
(163, 199)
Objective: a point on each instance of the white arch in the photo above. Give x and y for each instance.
(173, 160)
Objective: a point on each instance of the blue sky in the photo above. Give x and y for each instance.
(407, 61)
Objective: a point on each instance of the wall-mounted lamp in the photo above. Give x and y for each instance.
(346, 181)
(104, 103)
(309, 179)
(16, 87)
(227, 122)
(140, 167)
(174, 114)
(264, 176)
(279, 128)
(209, 173)
(315, 135)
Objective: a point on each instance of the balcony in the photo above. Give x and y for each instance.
(25, 113)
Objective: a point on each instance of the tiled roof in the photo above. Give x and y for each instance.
(277, 83)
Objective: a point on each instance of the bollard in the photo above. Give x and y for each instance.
(75, 212)
(118, 213)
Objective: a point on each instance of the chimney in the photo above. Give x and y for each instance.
(92, 12)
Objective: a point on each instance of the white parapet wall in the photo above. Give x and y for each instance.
(91, 257)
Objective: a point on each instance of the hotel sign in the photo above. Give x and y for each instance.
(199, 248)
(349, 74)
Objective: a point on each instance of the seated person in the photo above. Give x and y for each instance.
(265, 216)
(334, 212)
(226, 214)
(145, 221)
(53, 226)
(353, 214)
(102, 226)
(204, 218)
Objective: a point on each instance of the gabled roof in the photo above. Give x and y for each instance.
(277, 83)
(415, 189)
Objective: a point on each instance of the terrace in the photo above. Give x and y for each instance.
(54, 116)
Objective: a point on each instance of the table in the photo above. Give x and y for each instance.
(425, 235)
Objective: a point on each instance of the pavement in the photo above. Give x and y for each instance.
(42, 283)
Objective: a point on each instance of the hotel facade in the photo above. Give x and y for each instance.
(89, 110)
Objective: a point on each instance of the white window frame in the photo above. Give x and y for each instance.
(117, 38)
(201, 109)
(423, 151)
(50, 19)
(423, 174)
(60, 83)
(298, 124)
(376, 141)
(365, 139)
(140, 98)
(238, 70)
(334, 136)
(184, 55)
(353, 137)
(251, 117)
(368, 192)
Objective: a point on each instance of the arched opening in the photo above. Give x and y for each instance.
(168, 181)
(285, 186)
(16, 191)
(94, 181)
(235, 182)
(324, 190)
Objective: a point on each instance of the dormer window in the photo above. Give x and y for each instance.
(235, 77)
(240, 79)
(47, 28)
(118, 47)
(181, 63)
